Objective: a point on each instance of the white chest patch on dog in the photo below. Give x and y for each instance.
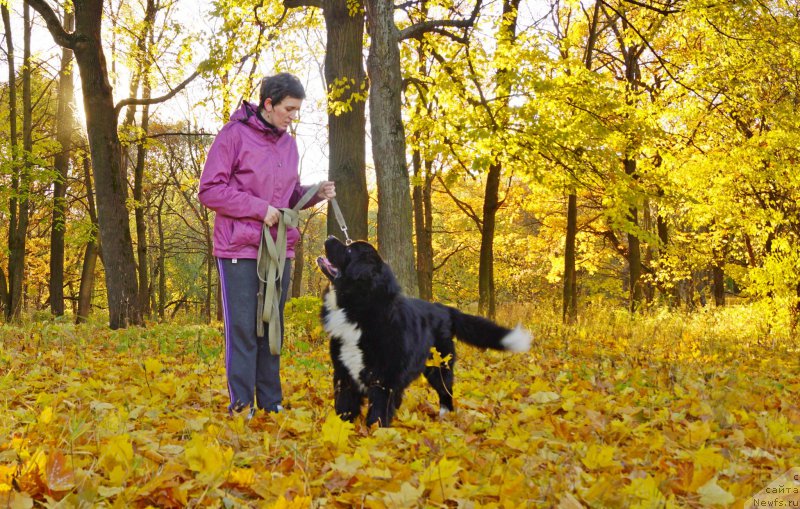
(348, 334)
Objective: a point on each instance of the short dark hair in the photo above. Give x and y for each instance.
(279, 87)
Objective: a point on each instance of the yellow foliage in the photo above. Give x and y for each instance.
(295, 503)
(594, 421)
(599, 457)
(440, 478)
(207, 458)
(436, 360)
(117, 453)
(335, 431)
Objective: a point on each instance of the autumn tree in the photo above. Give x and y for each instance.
(13, 145)
(106, 151)
(388, 132)
(65, 126)
(346, 85)
(22, 164)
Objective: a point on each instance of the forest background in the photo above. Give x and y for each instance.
(555, 163)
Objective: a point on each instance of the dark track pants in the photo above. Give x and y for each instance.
(253, 372)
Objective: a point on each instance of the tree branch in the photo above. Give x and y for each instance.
(294, 4)
(60, 36)
(157, 100)
(663, 62)
(418, 29)
(464, 206)
(653, 8)
(460, 248)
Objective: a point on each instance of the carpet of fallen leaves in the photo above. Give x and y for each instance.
(663, 410)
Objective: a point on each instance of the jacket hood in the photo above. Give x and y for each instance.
(247, 114)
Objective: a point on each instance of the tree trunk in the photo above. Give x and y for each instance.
(486, 297)
(423, 226)
(631, 55)
(162, 269)
(139, 200)
(346, 129)
(648, 287)
(90, 253)
(796, 309)
(64, 128)
(3, 290)
(16, 257)
(104, 145)
(13, 145)
(110, 178)
(297, 269)
(140, 208)
(569, 312)
(719, 279)
(491, 200)
(634, 249)
(395, 241)
(87, 282)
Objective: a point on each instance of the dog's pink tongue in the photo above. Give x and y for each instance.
(327, 264)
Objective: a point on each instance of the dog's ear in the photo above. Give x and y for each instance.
(384, 282)
(360, 271)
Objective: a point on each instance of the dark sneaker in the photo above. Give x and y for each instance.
(274, 409)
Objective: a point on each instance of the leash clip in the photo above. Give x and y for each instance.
(340, 219)
(347, 239)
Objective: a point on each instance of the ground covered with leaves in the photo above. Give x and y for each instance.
(664, 410)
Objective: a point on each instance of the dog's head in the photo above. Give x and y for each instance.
(356, 267)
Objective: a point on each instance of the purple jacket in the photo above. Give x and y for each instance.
(249, 167)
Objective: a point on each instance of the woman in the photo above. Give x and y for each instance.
(252, 171)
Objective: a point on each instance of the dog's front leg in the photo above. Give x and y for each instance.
(347, 397)
(381, 405)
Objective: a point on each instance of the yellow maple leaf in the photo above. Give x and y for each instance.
(712, 493)
(16, 500)
(599, 457)
(46, 415)
(346, 466)
(295, 503)
(152, 366)
(335, 431)
(117, 476)
(167, 387)
(241, 476)
(117, 452)
(708, 457)
(207, 457)
(440, 477)
(407, 496)
(6, 476)
(436, 360)
(644, 488)
(697, 433)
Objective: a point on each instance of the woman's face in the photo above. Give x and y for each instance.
(281, 115)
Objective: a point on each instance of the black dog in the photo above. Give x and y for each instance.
(381, 340)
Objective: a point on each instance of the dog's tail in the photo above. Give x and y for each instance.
(483, 333)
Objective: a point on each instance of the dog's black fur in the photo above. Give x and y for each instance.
(381, 339)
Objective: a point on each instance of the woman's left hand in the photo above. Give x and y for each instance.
(327, 190)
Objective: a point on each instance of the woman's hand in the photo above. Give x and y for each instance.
(327, 190)
(272, 217)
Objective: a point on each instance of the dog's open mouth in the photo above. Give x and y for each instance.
(327, 268)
